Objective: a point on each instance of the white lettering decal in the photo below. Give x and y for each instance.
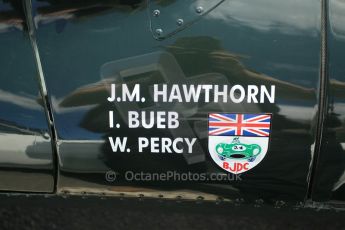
(120, 143)
(157, 93)
(252, 92)
(143, 142)
(190, 144)
(112, 97)
(191, 93)
(129, 96)
(270, 96)
(242, 93)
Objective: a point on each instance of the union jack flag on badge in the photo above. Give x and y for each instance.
(255, 125)
(238, 142)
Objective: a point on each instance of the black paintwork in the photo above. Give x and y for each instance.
(78, 58)
(84, 44)
(329, 178)
(26, 162)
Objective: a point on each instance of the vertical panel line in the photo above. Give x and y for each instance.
(27, 4)
(322, 99)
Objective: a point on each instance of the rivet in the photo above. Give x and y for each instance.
(199, 9)
(159, 32)
(46, 135)
(156, 13)
(180, 22)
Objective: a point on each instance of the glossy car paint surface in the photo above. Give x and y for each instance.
(329, 183)
(26, 160)
(84, 45)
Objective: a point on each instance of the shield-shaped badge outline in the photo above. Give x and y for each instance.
(246, 163)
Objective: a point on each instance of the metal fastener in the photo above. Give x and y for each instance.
(159, 32)
(199, 9)
(156, 13)
(179, 22)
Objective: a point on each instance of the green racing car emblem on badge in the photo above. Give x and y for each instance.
(237, 150)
